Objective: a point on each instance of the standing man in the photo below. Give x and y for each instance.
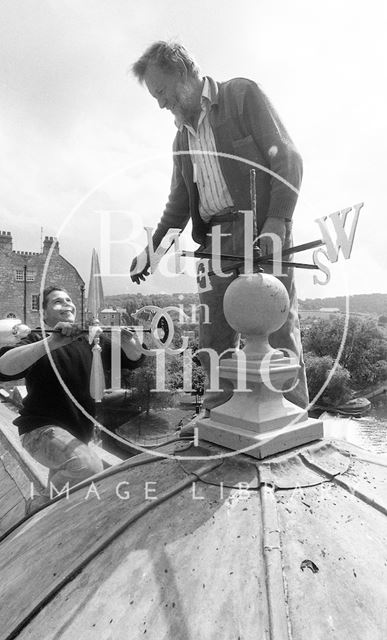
(54, 427)
(235, 120)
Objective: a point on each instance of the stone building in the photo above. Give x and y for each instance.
(112, 316)
(21, 275)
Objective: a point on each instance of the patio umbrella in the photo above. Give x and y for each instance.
(95, 303)
(95, 299)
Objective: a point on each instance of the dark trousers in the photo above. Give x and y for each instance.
(217, 333)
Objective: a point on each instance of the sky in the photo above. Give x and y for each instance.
(85, 152)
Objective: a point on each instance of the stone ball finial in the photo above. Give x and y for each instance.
(256, 304)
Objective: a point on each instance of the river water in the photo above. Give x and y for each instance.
(368, 432)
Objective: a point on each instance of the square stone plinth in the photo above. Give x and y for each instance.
(260, 445)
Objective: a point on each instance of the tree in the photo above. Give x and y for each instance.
(143, 382)
(317, 371)
(176, 373)
(363, 349)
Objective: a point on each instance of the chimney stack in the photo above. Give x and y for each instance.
(5, 241)
(48, 241)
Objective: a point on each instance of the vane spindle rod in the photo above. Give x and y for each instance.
(104, 330)
(253, 199)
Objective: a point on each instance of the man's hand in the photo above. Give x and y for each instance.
(130, 344)
(63, 333)
(139, 268)
(275, 226)
(12, 331)
(19, 359)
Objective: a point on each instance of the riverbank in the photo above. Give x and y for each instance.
(368, 432)
(372, 392)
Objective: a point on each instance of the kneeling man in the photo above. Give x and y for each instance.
(54, 423)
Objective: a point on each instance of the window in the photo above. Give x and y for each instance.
(11, 315)
(30, 275)
(34, 302)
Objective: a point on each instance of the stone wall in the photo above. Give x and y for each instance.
(12, 269)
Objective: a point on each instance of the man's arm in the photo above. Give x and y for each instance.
(278, 150)
(17, 360)
(176, 215)
(282, 158)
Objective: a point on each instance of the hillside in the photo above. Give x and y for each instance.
(373, 303)
(134, 302)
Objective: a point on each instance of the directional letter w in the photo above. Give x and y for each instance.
(343, 240)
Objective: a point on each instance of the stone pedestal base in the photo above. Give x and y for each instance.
(257, 419)
(262, 444)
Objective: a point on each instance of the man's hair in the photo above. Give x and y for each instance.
(48, 290)
(169, 56)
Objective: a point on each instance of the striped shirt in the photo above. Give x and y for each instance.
(214, 195)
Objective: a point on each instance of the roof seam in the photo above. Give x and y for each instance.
(72, 572)
(279, 620)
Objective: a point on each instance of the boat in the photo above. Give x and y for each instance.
(355, 407)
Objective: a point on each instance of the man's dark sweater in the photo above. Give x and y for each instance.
(245, 125)
(47, 401)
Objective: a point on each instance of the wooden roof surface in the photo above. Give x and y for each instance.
(15, 475)
(300, 554)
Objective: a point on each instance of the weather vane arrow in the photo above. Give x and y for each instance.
(258, 259)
